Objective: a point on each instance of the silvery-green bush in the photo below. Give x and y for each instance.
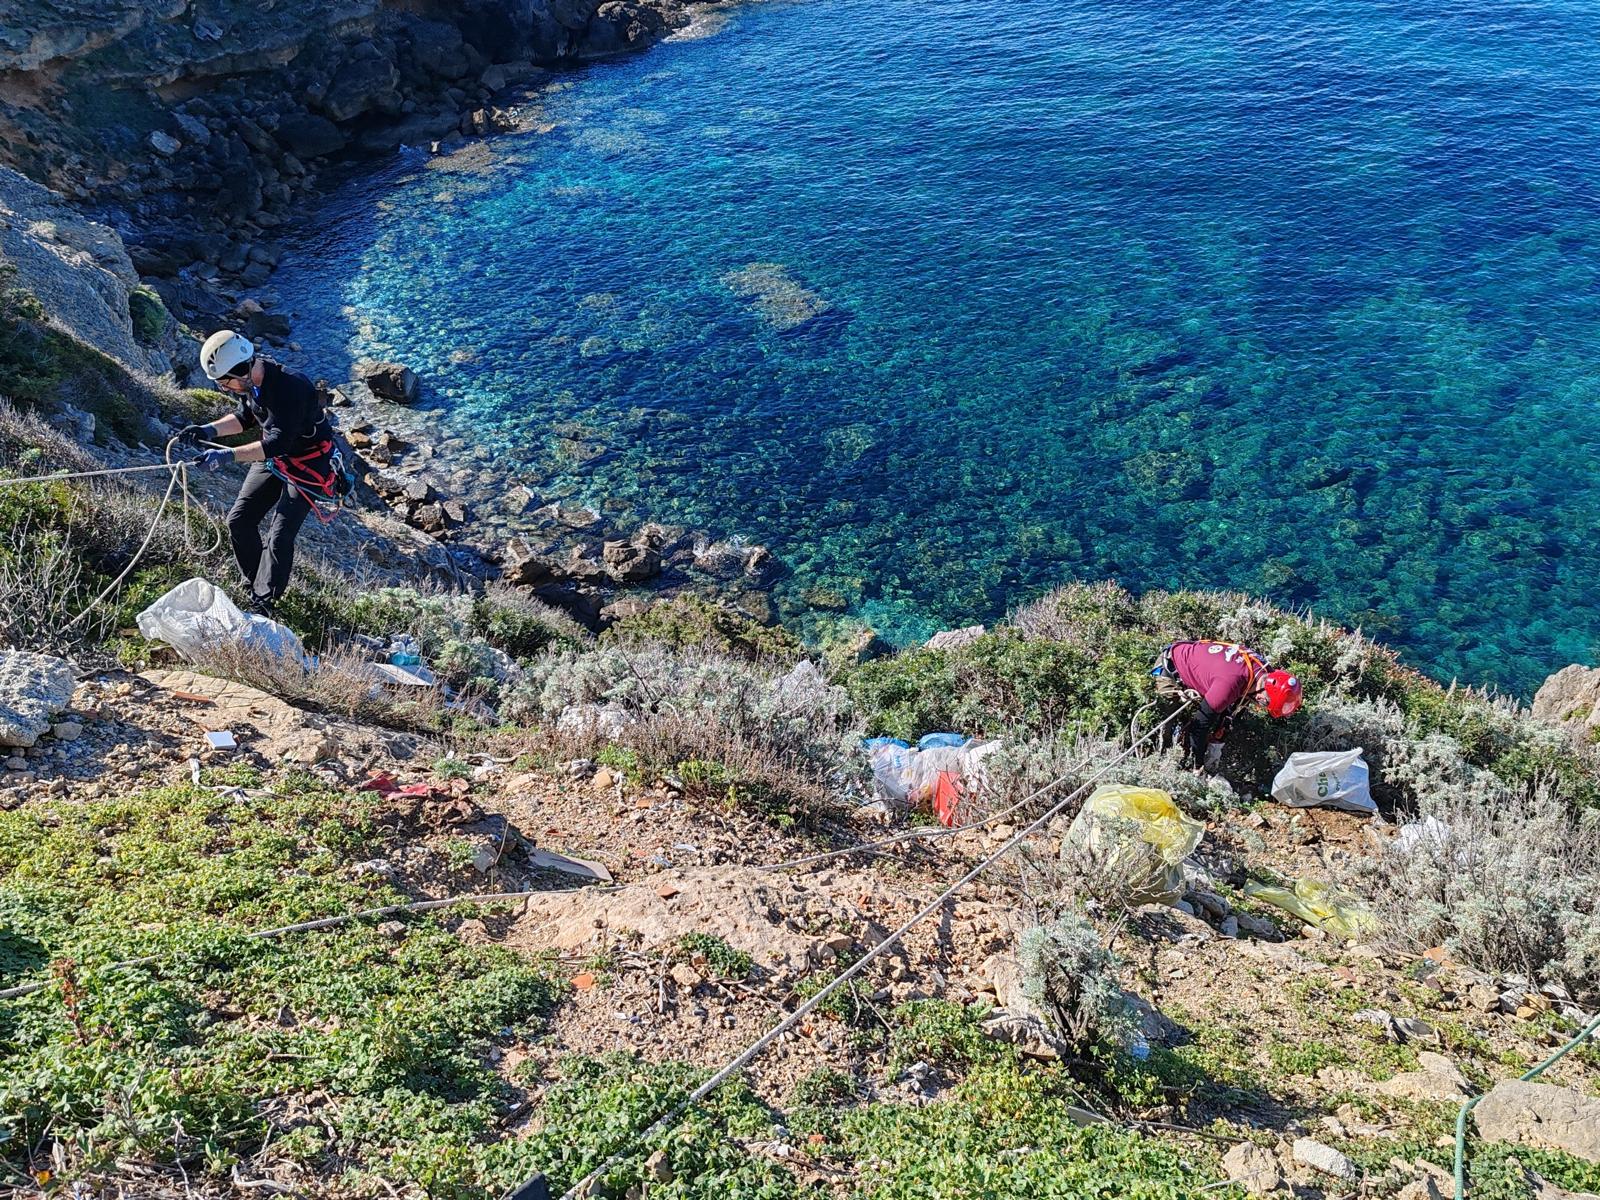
(1070, 978)
(794, 713)
(1511, 886)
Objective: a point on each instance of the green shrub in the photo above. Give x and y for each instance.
(689, 621)
(149, 314)
(1006, 1134)
(941, 1033)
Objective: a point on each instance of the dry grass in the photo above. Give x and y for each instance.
(342, 683)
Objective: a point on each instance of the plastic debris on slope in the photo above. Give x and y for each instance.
(1329, 778)
(1320, 905)
(1133, 841)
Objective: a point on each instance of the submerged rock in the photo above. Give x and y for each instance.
(779, 299)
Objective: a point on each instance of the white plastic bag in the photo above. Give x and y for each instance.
(1331, 778)
(196, 617)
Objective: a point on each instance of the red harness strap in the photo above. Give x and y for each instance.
(308, 473)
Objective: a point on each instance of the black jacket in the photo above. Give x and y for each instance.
(286, 410)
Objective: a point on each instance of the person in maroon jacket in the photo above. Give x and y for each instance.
(1221, 678)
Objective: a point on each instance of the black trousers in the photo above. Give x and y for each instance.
(266, 562)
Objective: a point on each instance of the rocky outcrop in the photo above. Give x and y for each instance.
(1541, 1115)
(78, 270)
(199, 123)
(1570, 697)
(33, 689)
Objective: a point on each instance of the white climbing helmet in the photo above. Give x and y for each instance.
(223, 352)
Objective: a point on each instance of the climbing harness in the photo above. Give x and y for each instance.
(317, 485)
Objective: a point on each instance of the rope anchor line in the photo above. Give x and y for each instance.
(179, 477)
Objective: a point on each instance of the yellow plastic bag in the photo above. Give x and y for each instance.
(1319, 904)
(1131, 842)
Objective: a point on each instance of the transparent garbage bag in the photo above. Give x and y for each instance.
(1320, 905)
(938, 779)
(1131, 842)
(1330, 778)
(196, 616)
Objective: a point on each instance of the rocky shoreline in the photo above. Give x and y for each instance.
(181, 137)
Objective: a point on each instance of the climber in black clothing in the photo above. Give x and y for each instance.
(291, 464)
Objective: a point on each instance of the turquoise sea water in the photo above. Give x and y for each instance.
(949, 303)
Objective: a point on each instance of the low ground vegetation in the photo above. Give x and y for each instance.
(400, 1056)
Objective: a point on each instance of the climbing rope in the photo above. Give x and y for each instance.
(179, 477)
(1534, 1073)
(755, 1048)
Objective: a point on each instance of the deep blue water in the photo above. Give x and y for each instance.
(1295, 298)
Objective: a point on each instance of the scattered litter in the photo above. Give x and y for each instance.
(549, 860)
(419, 677)
(1330, 778)
(583, 982)
(196, 616)
(1320, 906)
(221, 739)
(194, 771)
(937, 776)
(606, 720)
(404, 651)
(1134, 841)
(193, 697)
(1430, 834)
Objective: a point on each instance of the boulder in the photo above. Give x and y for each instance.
(521, 564)
(631, 563)
(390, 381)
(1570, 697)
(367, 80)
(1309, 1152)
(1541, 1115)
(954, 639)
(33, 689)
(308, 135)
(1254, 1169)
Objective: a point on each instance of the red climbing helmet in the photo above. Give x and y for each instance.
(1283, 693)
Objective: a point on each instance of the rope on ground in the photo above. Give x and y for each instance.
(1461, 1119)
(179, 475)
(739, 1063)
(925, 834)
(387, 910)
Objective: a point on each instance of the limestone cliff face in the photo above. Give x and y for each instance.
(78, 270)
(191, 125)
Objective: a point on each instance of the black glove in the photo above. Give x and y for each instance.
(190, 435)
